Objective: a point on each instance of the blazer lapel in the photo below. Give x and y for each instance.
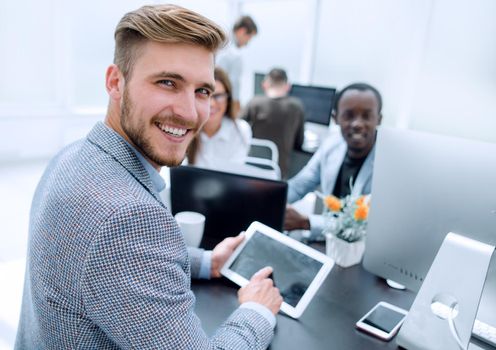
(332, 165)
(113, 144)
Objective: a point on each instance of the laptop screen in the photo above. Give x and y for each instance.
(230, 202)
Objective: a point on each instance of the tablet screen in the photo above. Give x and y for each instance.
(293, 272)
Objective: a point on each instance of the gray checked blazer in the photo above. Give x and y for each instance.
(107, 266)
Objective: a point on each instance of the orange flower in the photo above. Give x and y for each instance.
(361, 212)
(360, 200)
(333, 203)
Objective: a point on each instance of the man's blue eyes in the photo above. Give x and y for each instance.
(170, 83)
(166, 82)
(204, 91)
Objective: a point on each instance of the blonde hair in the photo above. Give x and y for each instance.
(165, 24)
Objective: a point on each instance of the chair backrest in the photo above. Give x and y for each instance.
(265, 164)
(250, 169)
(265, 149)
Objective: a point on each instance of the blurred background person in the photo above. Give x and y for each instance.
(224, 138)
(277, 117)
(231, 60)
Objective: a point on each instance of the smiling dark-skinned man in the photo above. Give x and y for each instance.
(340, 161)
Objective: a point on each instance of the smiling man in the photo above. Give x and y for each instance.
(342, 165)
(165, 103)
(107, 266)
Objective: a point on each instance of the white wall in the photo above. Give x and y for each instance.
(378, 42)
(433, 60)
(456, 87)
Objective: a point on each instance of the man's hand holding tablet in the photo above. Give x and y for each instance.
(260, 289)
(222, 252)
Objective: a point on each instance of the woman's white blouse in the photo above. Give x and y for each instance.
(230, 144)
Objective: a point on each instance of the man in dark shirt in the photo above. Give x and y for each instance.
(343, 164)
(277, 117)
(347, 176)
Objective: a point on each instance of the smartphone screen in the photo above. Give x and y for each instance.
(383, 318)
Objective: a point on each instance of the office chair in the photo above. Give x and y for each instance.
(264, 149)
(250, 169)
(272, 168)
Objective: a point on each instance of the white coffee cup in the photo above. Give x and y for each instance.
(192, 225)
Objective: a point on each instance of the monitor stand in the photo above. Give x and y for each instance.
(455, 280)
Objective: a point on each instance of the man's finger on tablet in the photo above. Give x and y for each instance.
(262, 274)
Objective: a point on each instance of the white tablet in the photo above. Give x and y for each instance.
(298, 270)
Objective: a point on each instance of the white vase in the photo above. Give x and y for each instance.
(344, 254)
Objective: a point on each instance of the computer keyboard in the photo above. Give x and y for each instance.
(484, 332)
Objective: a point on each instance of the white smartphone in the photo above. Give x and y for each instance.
(383, 320)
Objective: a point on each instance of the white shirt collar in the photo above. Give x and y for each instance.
(224, 131)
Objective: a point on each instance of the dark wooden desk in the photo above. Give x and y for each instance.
(329, 320)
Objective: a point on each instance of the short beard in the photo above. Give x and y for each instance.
(137, 137)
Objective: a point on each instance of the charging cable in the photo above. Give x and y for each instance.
(452, 327)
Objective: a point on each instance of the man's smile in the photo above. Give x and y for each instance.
(171, 130)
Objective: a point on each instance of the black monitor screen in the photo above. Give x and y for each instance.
(286, 262)
(317, 101)
(230, 202)
(258, 90)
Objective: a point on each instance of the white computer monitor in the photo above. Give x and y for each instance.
(424, 186)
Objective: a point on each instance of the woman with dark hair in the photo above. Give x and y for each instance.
(224, 138)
